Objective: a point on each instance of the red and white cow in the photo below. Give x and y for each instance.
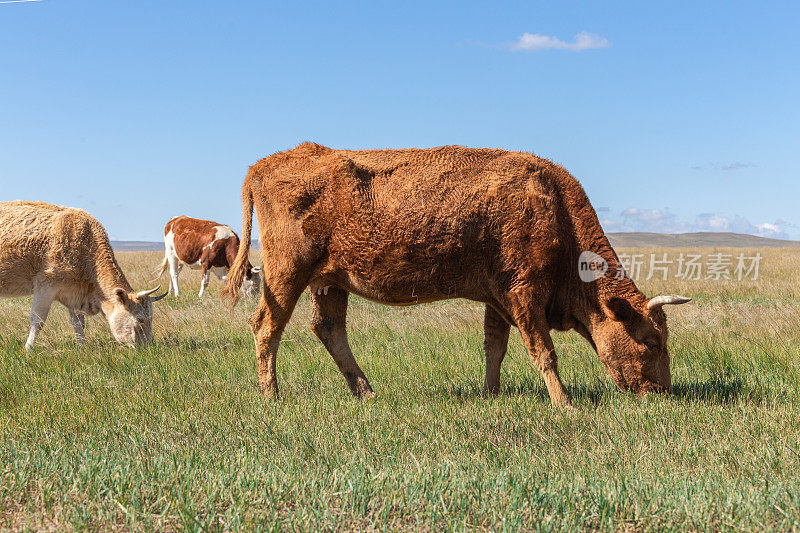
(204, 245)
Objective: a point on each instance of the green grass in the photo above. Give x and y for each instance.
(176, 436)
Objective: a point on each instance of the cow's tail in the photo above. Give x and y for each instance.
(235, 277)
(162, 267)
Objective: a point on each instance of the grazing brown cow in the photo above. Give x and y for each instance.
(205, 245)
(62, 254)
(404, 227)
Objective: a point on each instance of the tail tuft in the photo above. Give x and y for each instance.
(161, 268)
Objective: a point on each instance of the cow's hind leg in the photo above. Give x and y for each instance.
(174, 270)
(495, 344)
(329, 315)
(275, 307)
(42, 300)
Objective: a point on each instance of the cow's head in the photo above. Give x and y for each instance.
(631, 341)
(252, 280)
(131, 316)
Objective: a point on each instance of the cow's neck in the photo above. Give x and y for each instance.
(586, 299)
(109, 275)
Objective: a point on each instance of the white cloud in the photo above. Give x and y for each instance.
(776, 230)
(712, 222)
(768, 229)
(654, 220)
(613, 226)
(739, 224)
(537, 41)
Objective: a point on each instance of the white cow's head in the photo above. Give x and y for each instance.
(131, 316)
(252, 281)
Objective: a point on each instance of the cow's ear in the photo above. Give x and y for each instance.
(620, 309)
(121, 294)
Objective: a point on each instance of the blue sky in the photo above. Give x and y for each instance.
(675, 116)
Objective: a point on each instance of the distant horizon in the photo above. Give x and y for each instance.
(607, 233)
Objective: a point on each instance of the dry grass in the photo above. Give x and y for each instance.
(176, 436)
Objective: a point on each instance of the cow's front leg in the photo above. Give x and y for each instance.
(204, 282)
(78, 321)
(495, 344)
(535, 333)
(42, 300)
(540, 347)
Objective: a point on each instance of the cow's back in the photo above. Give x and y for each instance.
(45, 242)
(397, 185)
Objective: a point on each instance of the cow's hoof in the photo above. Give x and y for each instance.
(366, 395)
(360, 388)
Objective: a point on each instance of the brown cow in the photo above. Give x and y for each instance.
(62, 254)
(403, 227)
(205, 245)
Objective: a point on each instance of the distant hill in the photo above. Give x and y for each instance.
(695, 240)
(620, 240)
(137, 246)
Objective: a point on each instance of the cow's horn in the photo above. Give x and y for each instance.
(667, 299)
(157, 298)
(142, 294)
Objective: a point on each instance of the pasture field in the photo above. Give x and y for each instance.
(177, 437)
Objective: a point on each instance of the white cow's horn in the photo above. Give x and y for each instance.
(142, 294)
(667, 299)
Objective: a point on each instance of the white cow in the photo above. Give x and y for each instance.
(63, 254)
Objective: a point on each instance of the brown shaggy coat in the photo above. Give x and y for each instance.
(404, 227)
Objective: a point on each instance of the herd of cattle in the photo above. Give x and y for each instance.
(63, 254)
(399, 227)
